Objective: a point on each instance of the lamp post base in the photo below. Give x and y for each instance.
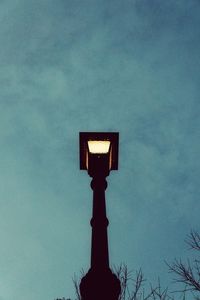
(100, 285)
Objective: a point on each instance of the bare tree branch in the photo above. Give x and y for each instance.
(185, 274)
(193, 240)
(133, 286)
(76, 283)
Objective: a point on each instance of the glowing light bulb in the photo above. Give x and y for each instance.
(99, 147)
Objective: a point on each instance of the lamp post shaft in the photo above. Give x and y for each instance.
(99, 283)
(99, 223)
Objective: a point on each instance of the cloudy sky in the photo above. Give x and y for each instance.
(88, 65)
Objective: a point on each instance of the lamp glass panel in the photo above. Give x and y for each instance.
(99, 147)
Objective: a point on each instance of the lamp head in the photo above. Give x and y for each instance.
(98, 152)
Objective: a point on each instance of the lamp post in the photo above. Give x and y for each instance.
(99, 155)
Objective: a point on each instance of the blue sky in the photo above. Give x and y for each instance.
(70, 66)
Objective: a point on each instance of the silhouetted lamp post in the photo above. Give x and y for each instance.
(99, 155)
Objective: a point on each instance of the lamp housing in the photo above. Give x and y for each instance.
(99, 152)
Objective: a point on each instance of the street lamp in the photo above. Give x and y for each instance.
(99, 155)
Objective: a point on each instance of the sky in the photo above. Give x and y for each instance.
(67, 66)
